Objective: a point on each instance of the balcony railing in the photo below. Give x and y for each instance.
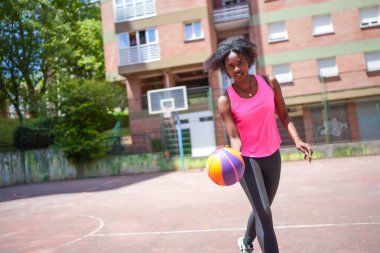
(127, 12)
(229, 13)
(139, 54)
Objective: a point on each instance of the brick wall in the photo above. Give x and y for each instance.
(351, 67)
(110, 47)
(165, 6)
(173, 44)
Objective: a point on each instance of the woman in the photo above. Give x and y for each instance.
(248, 111)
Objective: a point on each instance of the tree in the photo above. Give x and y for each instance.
(3, 103)
(21, 63)
(43, 41)
(85, 106)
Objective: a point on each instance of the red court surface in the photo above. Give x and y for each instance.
(330, 205)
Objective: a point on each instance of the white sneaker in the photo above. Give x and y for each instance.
(244, 248)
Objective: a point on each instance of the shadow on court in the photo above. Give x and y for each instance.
(73, 186)
(330, 205)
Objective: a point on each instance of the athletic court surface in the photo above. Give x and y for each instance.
(330, 205)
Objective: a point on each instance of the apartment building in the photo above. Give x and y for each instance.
(325, 54)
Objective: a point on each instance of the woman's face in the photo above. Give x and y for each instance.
(236, 66)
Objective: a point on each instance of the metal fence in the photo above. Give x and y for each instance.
(325, 122)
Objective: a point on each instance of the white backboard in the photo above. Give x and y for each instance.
(162, 100)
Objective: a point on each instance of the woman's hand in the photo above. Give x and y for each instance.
(286, 121)
(305, 148)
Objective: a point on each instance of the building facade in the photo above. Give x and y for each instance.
(324, 53)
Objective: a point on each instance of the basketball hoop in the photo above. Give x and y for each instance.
(164, 102)
(167, 100)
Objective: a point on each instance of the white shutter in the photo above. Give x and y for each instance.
(322, 24)
(327, 67)
(277, 32)
(283, 73)
(369, 16)
(372, 60)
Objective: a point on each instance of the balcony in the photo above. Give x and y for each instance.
(232, 17)
(139, 54)
(133, 10)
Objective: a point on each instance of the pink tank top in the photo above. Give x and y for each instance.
(256, 120)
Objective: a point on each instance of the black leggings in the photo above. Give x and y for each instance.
(260, 183)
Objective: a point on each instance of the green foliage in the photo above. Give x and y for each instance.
(195, 162)
(296, 156)
(3, 99)
(124, 132)
(351, 151)
(122, 116)
(7, 128)
(111, 119)
(34, 134)
(32, 138)
(43, 42)
(85, 106)
(88, 53)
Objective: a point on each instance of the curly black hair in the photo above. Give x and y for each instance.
(239, 46)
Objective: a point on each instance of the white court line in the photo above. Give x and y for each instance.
(92, 233)
(232, 229)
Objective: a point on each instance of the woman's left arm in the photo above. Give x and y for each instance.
(287, 122)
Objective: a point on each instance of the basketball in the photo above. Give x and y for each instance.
(225, 166)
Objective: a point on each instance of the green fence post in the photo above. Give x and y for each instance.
(325, 110)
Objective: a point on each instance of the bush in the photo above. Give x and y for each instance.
(47, 123)
(86, 107)
(32, 138)
(7, 129)
(110, 121)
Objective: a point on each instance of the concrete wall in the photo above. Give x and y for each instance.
(50, 165)
(332, 150)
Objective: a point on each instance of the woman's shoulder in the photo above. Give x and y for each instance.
(223, 103)
(223, 99)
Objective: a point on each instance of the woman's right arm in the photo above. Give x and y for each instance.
(224, 109)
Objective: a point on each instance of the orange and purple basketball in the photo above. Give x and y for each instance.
(225, 166)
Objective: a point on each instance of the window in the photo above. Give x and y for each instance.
(126, 10)
(123, 40)
(372, 60)
(327, 67)
(322, 25)
(132, 39)
(138, 46)
(283, 73)
(369, 17)
(277, 32)
(193, 31)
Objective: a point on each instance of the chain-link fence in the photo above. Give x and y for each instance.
(324, 122)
